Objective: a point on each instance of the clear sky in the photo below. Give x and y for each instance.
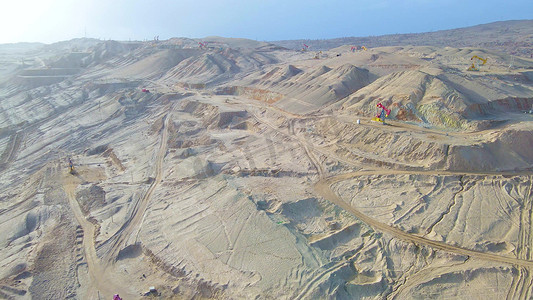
(266, 20)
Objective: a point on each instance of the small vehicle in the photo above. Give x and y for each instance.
(71, 167)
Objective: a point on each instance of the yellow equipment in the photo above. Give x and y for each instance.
(380, 116)
(363, 47)
(71, 166)
(317, 55)
(473, 66)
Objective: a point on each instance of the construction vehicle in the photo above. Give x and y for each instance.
(305, 48)
(381, 114)
(357, 48)
(71, 167)
(473, 66)
(202, 45)
(317, 55)
(145, 90)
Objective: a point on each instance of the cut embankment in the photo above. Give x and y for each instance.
(509, 150)
(374, 145)
(215, 116)
(440, 99)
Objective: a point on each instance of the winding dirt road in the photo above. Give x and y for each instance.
(323, 188)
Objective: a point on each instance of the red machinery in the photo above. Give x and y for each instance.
(381, 115)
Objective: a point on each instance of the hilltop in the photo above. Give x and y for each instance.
(511, 37)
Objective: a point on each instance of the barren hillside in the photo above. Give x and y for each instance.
(238, 169)
(511, 37)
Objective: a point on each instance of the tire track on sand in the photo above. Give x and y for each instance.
(99, 280)
(137, 215)
(521, 286)
(323, 188)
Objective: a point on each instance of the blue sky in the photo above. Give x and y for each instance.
(56, 20)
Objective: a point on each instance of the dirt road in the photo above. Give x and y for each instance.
(323, 188)
(101, 283)
(120, 238)
(104, 282)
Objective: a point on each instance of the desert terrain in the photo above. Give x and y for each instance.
(512, 37)
(252, 171)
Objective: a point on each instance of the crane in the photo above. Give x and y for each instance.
(473, 66)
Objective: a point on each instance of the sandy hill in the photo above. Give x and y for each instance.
(513, 37)
(243, 170)
(306, 91)
(234, 43)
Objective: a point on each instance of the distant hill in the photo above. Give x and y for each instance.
(17, 48)
(76, 44)
(512, 37)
